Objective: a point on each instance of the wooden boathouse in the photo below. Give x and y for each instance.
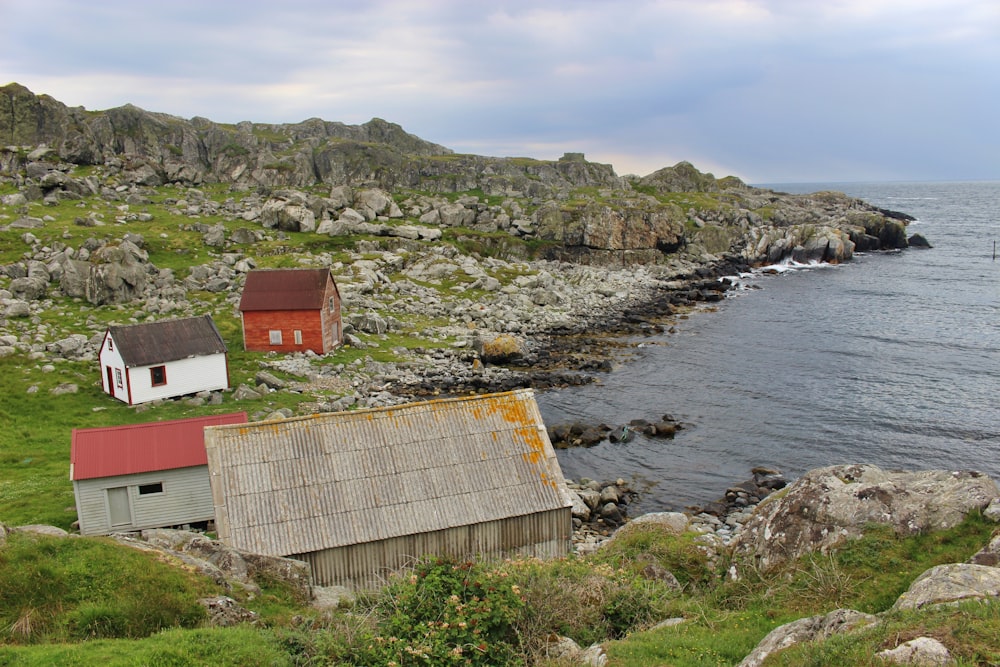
(360, 494)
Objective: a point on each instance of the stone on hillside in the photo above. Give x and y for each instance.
(565, 650)
(350, 216)
(341, 196)
(286, 216)
(40, 529)
(671, 522)
(371, 203)
(922, 651)
(807, 629)
(224, 612)
(245, 393)
(70, 346)
(370, 323)
(269, 379)
(950, 583)
(29, 288)
(993, 511)
(581, 510)
(499, 349)
(17, 309)
(829, 505)
(215, 236)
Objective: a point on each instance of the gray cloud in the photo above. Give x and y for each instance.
(770, 90)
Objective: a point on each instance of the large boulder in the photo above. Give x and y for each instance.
(830, 505)
(951, 583)
(807, 629)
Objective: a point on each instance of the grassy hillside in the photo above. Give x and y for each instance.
(89, 601)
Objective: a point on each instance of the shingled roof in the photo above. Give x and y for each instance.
(167, 340)
(306, 484)
(284, 289)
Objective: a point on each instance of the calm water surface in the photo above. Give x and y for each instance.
(891, 359)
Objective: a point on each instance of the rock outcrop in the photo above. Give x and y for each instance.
(830, 505)
(574, 209)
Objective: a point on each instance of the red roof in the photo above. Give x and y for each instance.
(285, 289)
(135, 448)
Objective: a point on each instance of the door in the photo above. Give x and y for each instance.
(111, 381)
(119, 512)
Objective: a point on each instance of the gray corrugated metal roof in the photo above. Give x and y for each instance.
(329, 480)
(167, 340)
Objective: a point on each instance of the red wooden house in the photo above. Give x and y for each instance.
(291, 310)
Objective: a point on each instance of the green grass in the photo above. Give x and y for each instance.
(724, 620)
(56, 592)
(235, 647)
(56, 589)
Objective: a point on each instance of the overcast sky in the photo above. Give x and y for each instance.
(772, 91)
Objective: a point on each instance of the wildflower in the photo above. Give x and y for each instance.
(515, 589)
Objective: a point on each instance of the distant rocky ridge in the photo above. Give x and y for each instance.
(580, 211)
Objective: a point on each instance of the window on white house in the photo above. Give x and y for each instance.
(298, 337)
(111, 344)
(275, 336)
(148, 489)
(118, 378)
(158, 375)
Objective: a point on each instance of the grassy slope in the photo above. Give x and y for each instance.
(724, 620)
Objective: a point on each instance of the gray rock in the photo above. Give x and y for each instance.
(829, 505)
(245, 393)
(992, 512)
(224, 612)
(807, 629)
(950, 583)
(922, 651)
(269, 379)
(40, 529)
(17, 309)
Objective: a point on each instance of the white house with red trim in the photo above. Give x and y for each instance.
(139, 476)
(166, 359)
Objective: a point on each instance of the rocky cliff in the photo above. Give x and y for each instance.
(577, 210)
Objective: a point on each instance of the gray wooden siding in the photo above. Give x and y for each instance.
(368, 565)
(186, 498)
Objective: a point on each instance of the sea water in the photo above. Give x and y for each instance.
(891, 359)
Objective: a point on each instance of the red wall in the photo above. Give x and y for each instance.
(258, 323)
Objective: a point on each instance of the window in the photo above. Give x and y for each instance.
(275, 336)
(298, 337)
(158, 375)
(148, 489)
(331, 304)
(118, 378)
(111, 344)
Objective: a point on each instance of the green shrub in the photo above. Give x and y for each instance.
(445, 612)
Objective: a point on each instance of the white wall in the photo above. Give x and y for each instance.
(184, 376)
